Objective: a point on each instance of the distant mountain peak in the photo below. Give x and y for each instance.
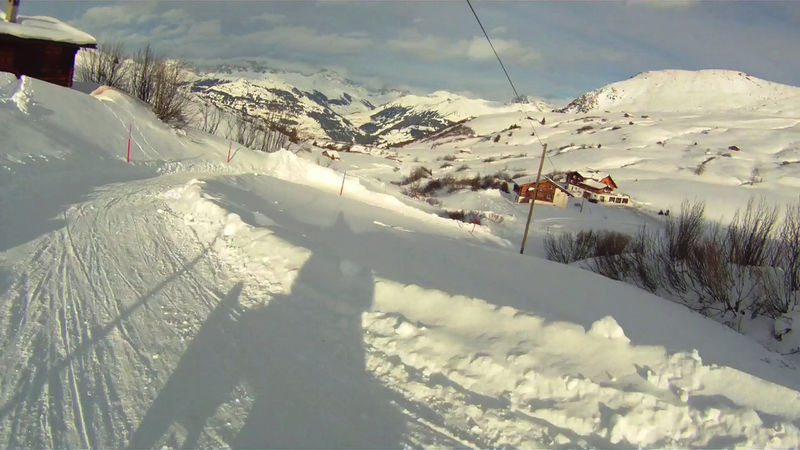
(686, 90)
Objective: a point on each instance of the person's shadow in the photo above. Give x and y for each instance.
(300, 358)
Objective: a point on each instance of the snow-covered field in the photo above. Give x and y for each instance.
(178, 300)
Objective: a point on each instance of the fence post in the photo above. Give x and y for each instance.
(130, 128)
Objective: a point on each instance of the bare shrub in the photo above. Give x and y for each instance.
(257, 133)
(568, 248)
(142, 83)
(725, 273)
(681, 233)
(780, 287)
(209, 117)
(104, 65)
(169, 98)
(749, 234)
(416, 174)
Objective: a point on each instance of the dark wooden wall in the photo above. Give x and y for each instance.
(49, 61)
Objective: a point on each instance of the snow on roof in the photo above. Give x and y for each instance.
(594, 184)
(525, 180)
(592, 175)
(46, 29)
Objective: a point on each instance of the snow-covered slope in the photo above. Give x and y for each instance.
(412, 117)
(327, 107)
(181, 301)
(691, 91)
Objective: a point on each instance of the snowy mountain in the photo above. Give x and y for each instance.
(691, 91)
(327, 107)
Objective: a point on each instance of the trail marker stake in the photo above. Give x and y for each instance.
(229, 152)
(342, 188)
(130, 128)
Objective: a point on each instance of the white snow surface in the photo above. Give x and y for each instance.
(45, 28)
(687, 90)
(181, 301)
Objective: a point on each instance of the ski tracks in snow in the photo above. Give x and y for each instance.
(91, 296)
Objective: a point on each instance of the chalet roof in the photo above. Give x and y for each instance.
(594, 184)
(46, 29)
(592, 174)
(525, 180)
(556, 184)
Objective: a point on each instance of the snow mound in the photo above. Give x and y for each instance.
(685, 90)
(608, 328)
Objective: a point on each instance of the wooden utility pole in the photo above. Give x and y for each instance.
(533, 199)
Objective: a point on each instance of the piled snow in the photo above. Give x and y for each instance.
(184, 302)
(46, 29)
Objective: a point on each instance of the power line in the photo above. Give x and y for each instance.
(544, 147)
(516, 95)
(508, 77)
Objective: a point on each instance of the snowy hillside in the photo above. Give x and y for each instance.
(691, 91)
(327, 107)
(344, 96)
(181, 301)
(660, 157)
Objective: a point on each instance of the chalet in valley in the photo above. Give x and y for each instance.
(595, 186)
(39, 47)
(549, 192)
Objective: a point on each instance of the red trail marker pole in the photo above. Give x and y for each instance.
(342, 188)
(130, 128)
(229, 152)
(474, 224)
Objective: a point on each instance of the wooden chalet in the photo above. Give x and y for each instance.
(578, 177)
(595, 186)
(40, 47)
(549, 192)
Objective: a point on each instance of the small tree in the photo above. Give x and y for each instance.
(142, 83)
(209, 117)
(104, 65)
(169, 99)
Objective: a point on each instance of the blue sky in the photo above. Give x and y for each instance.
(555, 49)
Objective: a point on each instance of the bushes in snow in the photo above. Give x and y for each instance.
(258, 133)
(103, 66)
(420, 184)
(751, 267)
(159, 82)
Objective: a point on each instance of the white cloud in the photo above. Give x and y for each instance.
(478, 48)
(268, 18)
(307, 39)
(662, 3)
(433, 48)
